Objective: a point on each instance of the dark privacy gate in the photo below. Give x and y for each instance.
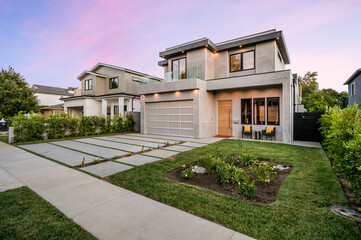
(306, 127)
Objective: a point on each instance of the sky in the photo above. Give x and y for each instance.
(52, 42)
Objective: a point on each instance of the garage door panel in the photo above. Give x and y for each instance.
(170, 118)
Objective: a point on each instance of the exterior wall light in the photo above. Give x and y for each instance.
(182, 51)
(206, 45)
(240, 46)
(156, 94)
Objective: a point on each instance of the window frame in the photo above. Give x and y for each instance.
(242, 69)
(86, 87)
(254, 119)
(110, 85)
(279, 117)
(353, 90)
(251, 122)
(185, 64)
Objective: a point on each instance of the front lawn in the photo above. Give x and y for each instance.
(301, 211)
(25, 215)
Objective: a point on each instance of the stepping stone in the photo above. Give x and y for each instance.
(106, 168)
(69, 157)
(178, 148)
(137, 159)
(98, 151)
(145, 139)
(130, 141)
(105, 143)
(193, 144)
(160, 153)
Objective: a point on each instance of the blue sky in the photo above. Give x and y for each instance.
(52, 42)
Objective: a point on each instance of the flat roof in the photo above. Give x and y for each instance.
(229, 44)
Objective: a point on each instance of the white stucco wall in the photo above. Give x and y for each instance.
(48, 99)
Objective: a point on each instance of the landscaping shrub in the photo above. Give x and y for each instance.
(35, 126)
(188, 173)
(341, 131)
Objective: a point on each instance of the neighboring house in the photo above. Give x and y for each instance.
(107, 90)
(354, 88)
(52, 109)
(215, 89)
(48, 95)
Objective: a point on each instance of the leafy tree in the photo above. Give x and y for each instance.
(15, 94)
(342, 99)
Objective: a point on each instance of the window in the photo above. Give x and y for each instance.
(108, 111)
(259, 111)
(88, 84)
(273, 111)
(179, 69)
(353, 89)
(242, 61)
(116, 110)
(113, 82)
(125, 108)
(246, 109)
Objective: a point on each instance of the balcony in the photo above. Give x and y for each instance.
(176, 76)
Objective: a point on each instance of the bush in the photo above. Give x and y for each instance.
(34, 126)
(341, 132)
(187, 173)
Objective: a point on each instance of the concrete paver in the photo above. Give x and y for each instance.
(160, 153)
(130, 141)
(105, 210)
(95, 150)
(60, 154)
(193, 144)
(116, 145)
(106, 168)
(137, 159)
(178, 148)
(144, 138)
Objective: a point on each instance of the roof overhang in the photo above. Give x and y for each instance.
(353, 76)
(91, 73)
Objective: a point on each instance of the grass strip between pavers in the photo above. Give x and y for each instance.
(134, 139)
(103, 146)
(138, 145)
(301, 210)
(25, 215)
(123, 163)
(76, 150)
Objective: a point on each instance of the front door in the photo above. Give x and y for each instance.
(225, 118)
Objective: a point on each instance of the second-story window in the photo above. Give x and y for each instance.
(242, 61)
(113, 82)
(88, 84)
(353, 93)
(179, 69)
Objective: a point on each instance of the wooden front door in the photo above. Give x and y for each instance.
(225, 118)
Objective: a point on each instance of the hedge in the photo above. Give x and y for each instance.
(35, 126)
(341, 131)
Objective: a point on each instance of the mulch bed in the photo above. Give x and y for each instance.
(266, 193)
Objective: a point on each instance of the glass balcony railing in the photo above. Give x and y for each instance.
(174, 76)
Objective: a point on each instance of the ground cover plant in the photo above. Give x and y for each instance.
(341, 132)
(25, 215)
(300, 212)
(35, 126)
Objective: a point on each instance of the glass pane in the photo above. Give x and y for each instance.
(246, 108)
(175, 69)
(248, 60)
(116, 110)
(113, 82)
(259, 111)
(235, 62)
(273, 111)
(90, 84)
(182, 68)
(86, 85)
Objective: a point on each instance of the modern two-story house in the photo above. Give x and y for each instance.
(107, 90)
(214, 89)
(354, 88)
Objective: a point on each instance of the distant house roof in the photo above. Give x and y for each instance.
(354, 75)
(231, 44)
(53, 90)
(53, 107)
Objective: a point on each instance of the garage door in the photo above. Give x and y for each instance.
(170, 118)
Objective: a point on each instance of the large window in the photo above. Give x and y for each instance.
(273, 111)
(259, 111)
(113, 82)
(242, 61)
(116, 110)
(246, 108)
(88, 84)
(179, 69)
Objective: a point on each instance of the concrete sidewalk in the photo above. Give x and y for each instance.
(105, 210)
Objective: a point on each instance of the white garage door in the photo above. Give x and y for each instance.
(170, 118)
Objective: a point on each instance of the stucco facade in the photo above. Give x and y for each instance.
(99, 98)
(267, 80)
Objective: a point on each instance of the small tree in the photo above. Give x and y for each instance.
(15, 94)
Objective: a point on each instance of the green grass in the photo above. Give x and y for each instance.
(301, 211)
(4, 139)
(35, 218)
